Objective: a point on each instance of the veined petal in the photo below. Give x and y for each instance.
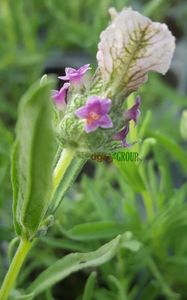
(131, 46)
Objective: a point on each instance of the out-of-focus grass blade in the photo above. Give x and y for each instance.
(89, 287)
(172, 147)
(65, 244)
(100, 204)
(121, 294)
(93, 231)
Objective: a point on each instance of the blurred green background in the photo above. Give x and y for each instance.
(147, 200)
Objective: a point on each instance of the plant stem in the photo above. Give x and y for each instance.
(66, 157)
(14, 269)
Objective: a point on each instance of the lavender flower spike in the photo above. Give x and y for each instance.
(59, 97)
(95, 113)
(75, 75)
(134, 112)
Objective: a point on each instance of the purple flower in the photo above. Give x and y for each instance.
(75, 75)
(121, 136)
(59, 97)
(131, 114)
(134, 112)
(95, 113)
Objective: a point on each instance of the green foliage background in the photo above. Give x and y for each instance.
(145, 202)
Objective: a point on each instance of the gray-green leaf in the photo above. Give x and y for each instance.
(72, 263)
(32, 160)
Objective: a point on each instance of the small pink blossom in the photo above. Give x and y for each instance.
(75, 75)
(95, 113)
(59, 96)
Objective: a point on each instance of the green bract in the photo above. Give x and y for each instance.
(32, 161)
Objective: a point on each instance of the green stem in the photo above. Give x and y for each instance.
(14, 269)
(66, 157)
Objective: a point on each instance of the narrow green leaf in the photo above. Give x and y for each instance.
(32, 161)
(166, 184)
(130, 172)
(121, 293)
(18, 296)
(147, 146)
(145, 124)
(153, 181)
(100, 204)
(65, 244)
(13, 245)
(183, 125)
(166, 290)
(150, 291)
(73, 263)
(94, 231)
(89, 288)
(172, 147)
(151, 6)
(15, 184)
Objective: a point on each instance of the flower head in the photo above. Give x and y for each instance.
(75, 75)
(95, 113)
(130, 47)
(134, 112)
(59, 96)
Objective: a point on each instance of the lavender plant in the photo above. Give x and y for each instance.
(53, 142)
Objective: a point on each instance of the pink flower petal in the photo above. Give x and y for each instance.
(105, 122)
(82, 112)
(75, 75)
(95, 113)
(91, 127)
